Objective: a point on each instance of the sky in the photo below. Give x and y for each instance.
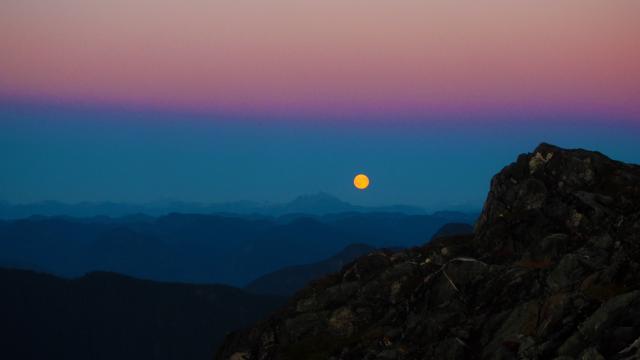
(222, 100)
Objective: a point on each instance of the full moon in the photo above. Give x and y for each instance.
(361, 181)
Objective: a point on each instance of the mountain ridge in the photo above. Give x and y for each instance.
(551, 271)
(312, 204)
(107, 315)
(201, 248)
(288, 280)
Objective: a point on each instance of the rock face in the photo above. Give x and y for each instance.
(552, 271)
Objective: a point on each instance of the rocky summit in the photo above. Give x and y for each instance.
(552, 271)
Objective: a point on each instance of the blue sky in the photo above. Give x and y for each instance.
(84, 153)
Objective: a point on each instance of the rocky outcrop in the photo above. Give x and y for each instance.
(552, 271)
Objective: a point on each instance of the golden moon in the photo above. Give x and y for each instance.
(361, 181)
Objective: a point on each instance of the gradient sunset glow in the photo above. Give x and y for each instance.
(227, 100)
(351, 58)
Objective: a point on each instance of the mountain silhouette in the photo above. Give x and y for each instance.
(110, 316)
(452, 229)
(200, 248)
(551, 272)
(286, 281)
(310, 204)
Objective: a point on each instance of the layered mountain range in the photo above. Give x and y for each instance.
(551, 271)
(196, 248)
(311, 204)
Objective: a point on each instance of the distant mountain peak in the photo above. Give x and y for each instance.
(319, 196)
(317, 203)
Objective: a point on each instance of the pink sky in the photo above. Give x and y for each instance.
(326, 57)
